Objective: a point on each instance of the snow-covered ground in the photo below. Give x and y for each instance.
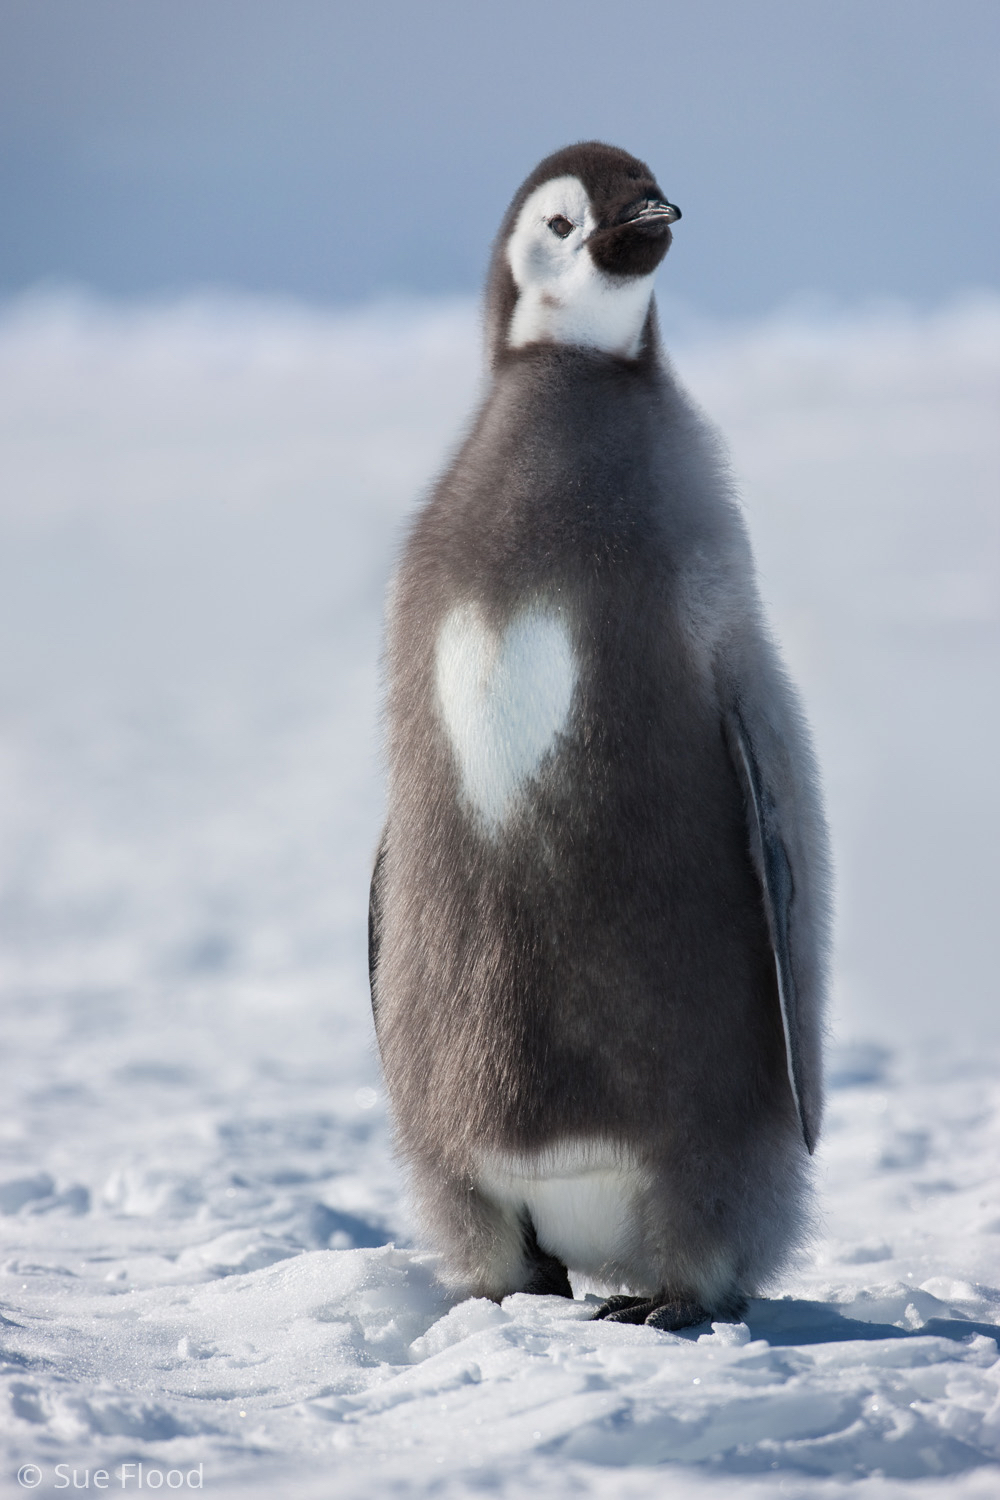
(208, 1266)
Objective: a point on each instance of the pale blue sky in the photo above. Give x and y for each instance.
(338, 151)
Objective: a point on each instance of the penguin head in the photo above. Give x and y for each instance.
(576, 254)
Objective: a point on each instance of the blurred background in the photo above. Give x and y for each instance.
(239, 253)
(339, 151)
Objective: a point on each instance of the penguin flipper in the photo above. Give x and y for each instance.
(375, 921)
(777, 872)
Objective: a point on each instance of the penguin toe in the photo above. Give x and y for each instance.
(671, 1316)
(625, 1309)
(666, 1313)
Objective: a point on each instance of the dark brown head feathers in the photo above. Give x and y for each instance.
(617, 185)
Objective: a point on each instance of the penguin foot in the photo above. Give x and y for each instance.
(549, 1279)
(670, 1316)
(614, 1306)
(669, 1313)
(547, 1276)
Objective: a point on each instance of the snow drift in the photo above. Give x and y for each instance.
(207, 1254)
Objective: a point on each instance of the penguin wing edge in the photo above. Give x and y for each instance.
(774, 868)
(375, 922)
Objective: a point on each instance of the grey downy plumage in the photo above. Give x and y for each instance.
(599, 909)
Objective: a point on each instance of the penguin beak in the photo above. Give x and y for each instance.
(654, 211)
(637, 240)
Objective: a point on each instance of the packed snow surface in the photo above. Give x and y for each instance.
(208, 1265)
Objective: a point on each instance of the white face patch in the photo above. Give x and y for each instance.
(563, 298)
(504, 700)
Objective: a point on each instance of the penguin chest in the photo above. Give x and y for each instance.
(584, 1197)
(505, 700)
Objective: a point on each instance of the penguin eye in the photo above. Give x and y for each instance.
(561, 226)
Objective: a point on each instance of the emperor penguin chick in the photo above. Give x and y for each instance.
(599, 908)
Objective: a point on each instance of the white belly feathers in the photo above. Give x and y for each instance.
(584, 1198)
(504, 700)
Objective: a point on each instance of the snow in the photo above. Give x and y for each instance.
(207, 1261)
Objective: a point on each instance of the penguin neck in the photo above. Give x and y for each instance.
(564, 402)
(552, 366)
(611, 317)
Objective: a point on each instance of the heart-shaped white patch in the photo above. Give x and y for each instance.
(504, 700)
